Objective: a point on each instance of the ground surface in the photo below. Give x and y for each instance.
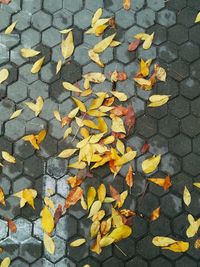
(172, 130)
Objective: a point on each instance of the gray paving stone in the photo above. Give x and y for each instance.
(73, 6)
(15, 129)
(41, 20)
(23, 19)
(51, 37)
(32, 6)
(52, 6)
(145, 18)
(62, 19)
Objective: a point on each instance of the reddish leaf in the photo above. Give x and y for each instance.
(73, 197)
(145, 148)
(114, 193)
(58, 213)
(74, 181)
(118, 135)
(112, 23)
(119, 111)
(167, 183)
(5, 1)
(12, 226)
(134, 45)
(129, 177)
(65, 121)
(130, 118)
(122, 76)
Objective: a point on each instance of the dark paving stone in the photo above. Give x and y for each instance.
(180, 145)
(146, 249)
(171, 205)
(169, 126)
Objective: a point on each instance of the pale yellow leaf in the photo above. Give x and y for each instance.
(79, 104)
(158, 100)
(3, 75)
(77, 165)
(57, 115)
(67, 46)
(150, 165)
(120, 146)
(161, 241)
(97, 16)
(186, 196)
(77, 242)
(197, 184)
(37, 65)
(6, 262)
(119, 95)
(73, 113)
(65, 31)
(148, 41)
(118, 125)
(95, 57)
(49, 244)
(58, 66)
(106, 241)
(67, 133)
(27, 52)
(10, 28)
(67, 153)
(101, 192)
(71, 87)
(197, 18)
(95, 77)
(115, 43)
(102, 45)
(16, 114)
(49, 203)
(7, 157)
(126, 158)
(96, 206)
(37, 107)
(160, 73)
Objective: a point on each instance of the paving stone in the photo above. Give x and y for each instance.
(11, 248)
(65, 263)
(17, 91)
(161, 261)
(194, 31)
(21, 183)
(189, 51)
(33, 166)
(178, 34)
(4, 229)
(73, 6)
(27, 251)
(83, 18)
(180, 181)
(125, 19)
(5, 184)
(188, 88)
(62, 19)
(35, 125)
(161, 226)
(177, 4)
(186, 261)
(187, 16)
(19, 262)
(137, 262)
(51, 6)
(179, 107)
(51, 37)
(60, 248)
(113, 6)
(169, 126)
(146, 126)
(145, 248)
(113, 261)
(191, 164)
(48, 147)
(41, 20)
(30, 38)
(72, 72)
(156, 4)
(38, 88)
(124, 55)
(10, 41)
(5, 19)
(15, 129)
(158, 145)
(15, 56)
(4, 54)
(47, 73)
(12, 7)
(81, 54)
(171, 205)
(49, 106)
(196, 142)
(149, 203)
(42, 262)
(32, 6)
(179, 70)
(190, 125)
(195, 69)
(166, 18)
(146, 54)
(170, 164)
(24, 230)
(25, 74)
(180, 145)
(168, 52)
(145, 18)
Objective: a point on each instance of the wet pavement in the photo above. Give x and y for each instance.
(172, 130)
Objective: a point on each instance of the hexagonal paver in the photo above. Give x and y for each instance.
(146, 126)
(17, 91)
(113, 262)
(33, 166)
(21, 183)
(188, 88)
(35, 125)
(137, 262)
(51, 37)
(15, 129)
(125, 19)
(13, 170)
(181, 180)
(160, 261)
(52, 6)
(63, 224)
(32, 6)
(82, 19)
(42, 262)
(196, 143)
(30, 38)
(133, 31)
(47, 73)
(6, 109)
(168, 126)
(168, 52)
(150, 202)
(191, 164)
(62, 186)
(187, 16)
(56, 167)
(71, 72)
(81, 54)
(124, 55)
(146, 249)
(20, 262)
(179, 70)
(3, 231)
(171, 205)
(27, 251)
(60, 250)
(179, 107)
(195, 69)
(25, 74)
(73, 6)
(58, 92)
(180, 145)
(23, 20)
(64, 262)
(38, 88)
(48, 147)
(178, 34)
(186, 261)
(62, 19)
(41, 20)
(190, 125)
(170, 164)
(158, 145)
(11, 248)
(5, 18)
(194, 31)
(145, 18)
(161, 226)
(189, 51)
(160, 33)
(166, 18)
(24, 230)
(156, 4)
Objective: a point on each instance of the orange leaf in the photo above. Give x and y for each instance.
(155, 214)
(134, 45)
(129, 177)
(74, 181)
(73, 197)
(127, 4)
(12, 226)
(114, 193)
(58, 213)
(165, 183)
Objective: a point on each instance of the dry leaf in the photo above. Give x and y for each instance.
(94, 229)
(134, 45)
(26, 196)
(118, 125)
(37, 65)
(193, 227)
(67, 46)
(170, 244)
(58, 213)
(27, 52)
(47, 220)
(91, 194)
(73, 197)
(67, 133)
(96, 206)
(186, 196)
(160, 73)
(7, 157)
(67, 153)
(155, 214)
(197, 244)
(95, 77)
(148, 41)
(151, 164)
(49, 244)
(3, 75)
(2, 197)
(197, 184)
(10, 28)
(197, 19)
(65, 31)
(71, 87)
(126, 158)
(96, 246)
(97, 16)
(77, 242)
(16, 114)
(120, 233)
(165, 183)
(158, 100)
(129, 177)
(58, 66)
(101, 192)
(120, 96)
(179, 246)
(95, 57)
(6, 262)
(12, 226)
(79, 104)
(127, 4)
(102, 45)
(106, 241)
(37, 107)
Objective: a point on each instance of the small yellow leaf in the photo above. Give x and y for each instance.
(10, 28)
(148, 41)
(158, 100)
(65, 31)
(16, 114)
(101, 192)
(67, 153)
(77, 165)
(27, 52)
(49, 203)
(120, 233)
(197, 184)
(186, 196)
(47, 220)
(6, 262)
(29, 197)
(58, 66)
(67, 133)
(197, 18)
(49, 244)
(120, 146)
(97, 16)
(95, 77)
(57, 115)
(95, 208)
(114, 43)
(126, 158)
(91, 194)
(193, 227)
(7, 157)
(3, 75)
(162, 241)
(160, 73)
(37, 107)
(120, 96)
(79, 104)
(95, 57)
(73, 113)
(71, 87)
(149, 165)
(77, 242)
(67, 46)
(102, 45)
(83, 203)
(2, 196)
(37, 65)
(118, 125)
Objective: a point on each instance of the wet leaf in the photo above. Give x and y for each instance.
(158, 100)
(47, 220)
(49, 244)
(73, 197)
(129, 177)
(101, 192)
(37, 65)
(27, 52)
(186, 196)
(67, 46)
(7, 157)
(197, 19)
(77, 242)
(3, 75)
(49, 203)
(71, 87)
(155, 214)
(16, 114)
(6, 261)
(96, 206)
(149, 165)
(67, 153)
(120, 233)
(114, 193)
(10, 28)
(67, 133)
(102, 45)
(165, 183)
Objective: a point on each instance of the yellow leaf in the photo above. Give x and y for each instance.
(83, 203)
(197, 184)
(26, 195)
(73, 113)
(160, 73)
(6, 262)
(161, 241)
(118, 125)
(149, 165)
(10, 28)
(120, 96)
(95, 138)
(7, 157)
(127, 4)
(95, 208)
(58, 66)
(27, 52)
(144, 68)
(155, 214)
(49, 203)
(109, 200)
(97, 16)
(90, 124)
(16, 114)
(197, 244)
(71, 87)
(99, 216)
(67, 133)
(47, 220)
(102, 45)
(96, 113)
(77, 242)
(102, 126)
(29, 197)
(65, 31)
(37, 107)
(193, 227)
(148, 41)
(95, 57)
(57, 115)
(101, 192)
(37, 65)
(123, 197)
(67, 153)
(126, 158)
(94, 229)
(97, 102)
(186, 196)
(91, 194)
(179, 246)
(120, 146)
(158, 100)
(141, 36)
(114, 43)
(49, 244)
(120, 233)
(106, 241)
(67, 46)
(197, 18)
(2, 197)
(80, 104)
(3, 75)
(95, 77)
(77, 165)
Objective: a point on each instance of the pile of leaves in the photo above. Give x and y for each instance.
(102, 128)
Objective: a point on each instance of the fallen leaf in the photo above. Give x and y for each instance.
(170, 244)
(96, 206)
(197, 184)
(186, 196)
(71, 87)
(120, 233)
(67, 46)
(27, 52)
(73, 197)
(197, 19)
(158, 100)
(102, 45)
(67, 133)
(91, 194)
(129, 177)
(96, 246)
(179, 246)
(120, 96)
(118, 125)
(6, 261)
(59, 66)
(126, 158)
(101, 192)
(99, 215)
(65, 31)
(5, 1)
(79, 104)
(95, 77)
(134, 45)
(47, 220)
(145, 148)
(197, 244)
(193, 227)
(7, 157)
(165, 183)
(94, 229)
(2, 196)
(58, 213)
(114, 193)
(26, 195)
(10, 28)
(127, 4)
(130, 118)
(95, 57)
(12, 226)
(49, 244)
(97, 16)
(16, 114)
(149, 165)
(155, 214)
(160, 73)
(106, 241)
(77, 242)
(67, 153)
(37, 107)
(37, 65)
(3, 75)
(162, 241)
(148, 41)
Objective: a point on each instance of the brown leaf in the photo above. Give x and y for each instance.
(165, 183)
(130, 118)
(114, 193)
(12, 226)
(74, 181)
(58, 213)
(134, 45)
(145, 148)
(73, 197)
(155, 214)
(129, 177)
